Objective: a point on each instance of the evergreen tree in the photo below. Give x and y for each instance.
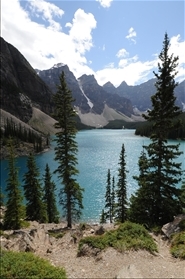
(121, 192)
(182, 196)
(1, 197)
(35, 208)
(102, 217)
(108, 198)
(137, 207)
(14, 208)
(49, 197)
(66, 153)
(158, 195)
(113, 204)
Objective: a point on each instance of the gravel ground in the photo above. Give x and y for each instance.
(113, 264)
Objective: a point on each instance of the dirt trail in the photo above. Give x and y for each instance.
(113, 264)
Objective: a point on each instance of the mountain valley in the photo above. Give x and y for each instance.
(25, 90)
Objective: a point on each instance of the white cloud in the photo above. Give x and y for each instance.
(80, 30)
(129, 70)
(177, 47)
(133, 71)
(122, 53)
(131, 35)
(45, 46)
(105, 3)
(123, 62)
(68, 24)
(48, 11)
(109, 66)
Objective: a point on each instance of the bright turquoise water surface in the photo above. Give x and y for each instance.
(98, 151)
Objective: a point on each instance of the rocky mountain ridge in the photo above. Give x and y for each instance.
(138, 96)
(23, 88)
(89, 96)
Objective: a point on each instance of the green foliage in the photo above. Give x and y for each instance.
(108, 198)
(182, 196)
(35, 208)
(128, 236)
(102, 217)
(158, 199)
(56, 234)
(27, 265)
(119, 124)
(25, 224)
(1, 197)
(178, 245)
(49, 197)
(121, 191)
(2, 233)
(182, 225)
(108, 213)
(66, 153)
(14, 209)
(113, 197)
(83, 226)
(145, 128)
(19, 133)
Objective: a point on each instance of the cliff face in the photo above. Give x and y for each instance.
(140, 95)
(89, 96)
(51, 78)
(21, 87)
(99, 97)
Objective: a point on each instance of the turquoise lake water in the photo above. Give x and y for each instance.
(98, 151)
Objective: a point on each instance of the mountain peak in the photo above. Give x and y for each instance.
(109, 84)
(58, 65)
(123, 84)
(87, 79)
(109, 87)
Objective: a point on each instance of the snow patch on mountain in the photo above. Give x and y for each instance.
(88, 100)
(58, 65)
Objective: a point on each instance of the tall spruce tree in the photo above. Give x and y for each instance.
(139, 212)
(113, 202)
(14, 209)
(121, 192)
(108, 198)
(102, 217)
(66, 153)
(1, 197)
(49, 197)
(35, 208)
(182, 196)
(159, 175)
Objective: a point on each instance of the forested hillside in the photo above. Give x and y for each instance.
(145, 129)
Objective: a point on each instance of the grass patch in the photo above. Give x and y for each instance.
(178, 245)
(56, 234)
(128, 236)
(2, 233)
(26, 265)
(25, 224)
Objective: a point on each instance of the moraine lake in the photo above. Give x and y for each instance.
(98, 151)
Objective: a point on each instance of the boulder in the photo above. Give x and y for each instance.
(88, 251)
(28, 240)
(100, 230)
(173, 227)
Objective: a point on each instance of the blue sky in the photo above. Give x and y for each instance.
(113, 40)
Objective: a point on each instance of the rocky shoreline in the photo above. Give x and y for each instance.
(24, 149)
